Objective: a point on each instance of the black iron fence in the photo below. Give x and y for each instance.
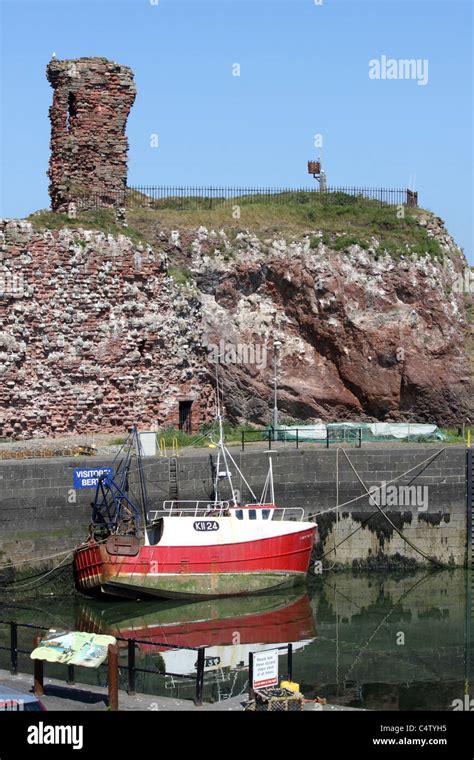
(298, 436)
(130, 667)
(205, 198)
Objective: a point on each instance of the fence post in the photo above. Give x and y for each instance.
(38, 670)
(243, 440)
(470, 499)
(13, 648)
(112, 673)
(327, 437)
(131, 667)
(251, 691)
(200, 676)
(297, 441)
(270, 432)
(360, 438)
(290, 662)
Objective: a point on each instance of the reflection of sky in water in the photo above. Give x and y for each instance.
(380, 641)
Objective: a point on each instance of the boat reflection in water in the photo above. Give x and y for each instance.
(229, 629)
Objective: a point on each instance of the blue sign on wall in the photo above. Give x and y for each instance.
(89, 477)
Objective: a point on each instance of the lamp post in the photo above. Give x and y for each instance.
(276, 348)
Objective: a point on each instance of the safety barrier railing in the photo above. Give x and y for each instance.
(131, 666)
(299, 436)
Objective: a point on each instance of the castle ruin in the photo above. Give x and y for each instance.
(91, 102)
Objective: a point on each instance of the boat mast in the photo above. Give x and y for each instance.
(221, 450)
(141, 476)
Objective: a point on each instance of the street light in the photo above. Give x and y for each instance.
(276, 348)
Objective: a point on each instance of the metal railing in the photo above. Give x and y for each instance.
(197, 198)
(130, 667)
(299, 436)
(190, 508)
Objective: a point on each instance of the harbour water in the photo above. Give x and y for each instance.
(376, 641)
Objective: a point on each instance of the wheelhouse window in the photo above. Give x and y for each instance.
(252, 514)
(239, 514)
(265, 514)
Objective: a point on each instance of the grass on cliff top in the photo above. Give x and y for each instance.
(344, 220)
(102, 220)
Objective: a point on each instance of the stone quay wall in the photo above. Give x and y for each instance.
(41, 513)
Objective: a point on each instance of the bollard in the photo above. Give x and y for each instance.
(38, 667)
(112, 680)
(70, 675)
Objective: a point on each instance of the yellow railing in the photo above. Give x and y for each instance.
(174, 447)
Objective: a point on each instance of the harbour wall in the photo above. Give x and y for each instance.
(424, 498)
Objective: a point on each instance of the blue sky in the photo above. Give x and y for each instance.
(304, 70)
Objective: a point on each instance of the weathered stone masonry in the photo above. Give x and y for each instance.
(91, 103)
(99, 340)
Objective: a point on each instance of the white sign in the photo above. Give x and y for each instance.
(265, 668)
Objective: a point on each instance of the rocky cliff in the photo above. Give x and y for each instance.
(100, 330)
(363, 332)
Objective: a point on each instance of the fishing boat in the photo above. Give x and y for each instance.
(190, 549)
(228, 631)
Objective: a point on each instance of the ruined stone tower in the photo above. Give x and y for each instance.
(91, 102)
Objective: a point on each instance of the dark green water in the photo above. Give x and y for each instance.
(380, 641)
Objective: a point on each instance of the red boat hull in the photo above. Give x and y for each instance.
(204, 571)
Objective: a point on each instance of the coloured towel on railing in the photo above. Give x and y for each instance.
(74, 648)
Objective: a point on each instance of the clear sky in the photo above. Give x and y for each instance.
(304, 70)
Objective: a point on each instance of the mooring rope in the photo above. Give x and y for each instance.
(33, 583)
(387, 483)
(410, 543)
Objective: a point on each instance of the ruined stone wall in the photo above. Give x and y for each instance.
(91, 102)
(97, 337)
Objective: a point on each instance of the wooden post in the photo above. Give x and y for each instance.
(38, 683)
(112, 680)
